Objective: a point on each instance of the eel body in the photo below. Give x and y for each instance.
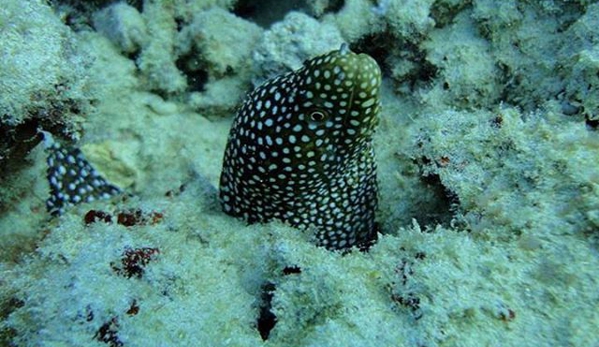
(72, 178)
(300, 150)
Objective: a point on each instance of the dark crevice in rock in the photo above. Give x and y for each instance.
(266, 319)
(194, 71)
(267, 12)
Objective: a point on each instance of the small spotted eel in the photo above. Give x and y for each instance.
(300, 150)
(71, 177)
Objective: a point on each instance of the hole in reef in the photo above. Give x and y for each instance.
(194, 72)
(334, 6)
(289, 270)
(591, 123)
(266, 319)
(16, 143)
(441, 208)
(376, 46)
(266, 12)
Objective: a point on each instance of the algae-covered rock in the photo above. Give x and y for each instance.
(123, 25)
(221, 40)
(39, 63)
(487, 150)
(467, 70)
(157, 59)
(219, 45)
(527, 174)
(581, 65)
(42, 78)
(287, 44)
(356, 19)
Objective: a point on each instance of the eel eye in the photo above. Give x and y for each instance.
(318, 115)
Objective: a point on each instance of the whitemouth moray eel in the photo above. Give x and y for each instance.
(300, 150)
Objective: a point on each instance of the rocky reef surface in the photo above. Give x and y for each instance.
(487, 152)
